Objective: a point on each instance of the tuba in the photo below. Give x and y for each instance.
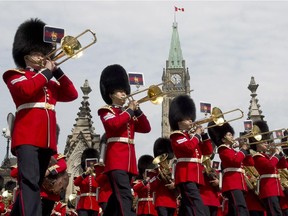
(251, 177)
(209, 171)
(163, 168)
(284, 180)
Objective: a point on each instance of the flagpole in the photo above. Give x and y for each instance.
(174, 15)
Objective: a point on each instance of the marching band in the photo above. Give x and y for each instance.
(178, 180)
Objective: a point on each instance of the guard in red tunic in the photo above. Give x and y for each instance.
(284, 176)
(188, 146)
(87, 204)
(161, 179)
(269, 186)
(144, 205)
(48, 196)
(104, 189)
(233, 182)
(59, 209)
(120, 124)
(254, 204)
(35, 96)
(210, 190)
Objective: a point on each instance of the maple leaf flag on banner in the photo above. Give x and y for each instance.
(179, 9)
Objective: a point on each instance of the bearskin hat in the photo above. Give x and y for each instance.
(28, 39)
(88, 153)
(10, 185)
(113, 77)
(217, 133)
(181, 107)
(144, 162)
(285, 149)
(161, 146)
(263, 128)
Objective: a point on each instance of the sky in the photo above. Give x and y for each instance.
(224, 44)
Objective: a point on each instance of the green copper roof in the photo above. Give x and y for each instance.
(175, 54)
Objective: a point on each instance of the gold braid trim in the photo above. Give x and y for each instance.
(108, 107)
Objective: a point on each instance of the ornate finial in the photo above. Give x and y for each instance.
(86, 88)
(254, 109)
(253, 86)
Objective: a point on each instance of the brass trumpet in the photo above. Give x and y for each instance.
(154, 95)
(217, 117)
(70, 47)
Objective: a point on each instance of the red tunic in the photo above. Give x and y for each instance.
(59, 209)
(145, 199)
(266, 165)
(105, 189)
(231, 159)
(209, 194)
(37, 126)
(60, 167)
(161, 194)
(252, 199)
(120, 127)
(185, 147)
(88, 187)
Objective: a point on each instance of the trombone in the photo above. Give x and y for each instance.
(255, 133)
(70, 47)
(154, 95)
(260, 141)
(217, 116)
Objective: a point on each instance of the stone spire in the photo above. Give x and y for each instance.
(175, 59)
(254, 113)
(176, 72)
(82, 137)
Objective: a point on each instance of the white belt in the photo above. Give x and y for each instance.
(87, 194)
(265, 176)
(193, 160)
(42, 105)
(269, 176)
(231, 169)
(145, 199)
(120, 139)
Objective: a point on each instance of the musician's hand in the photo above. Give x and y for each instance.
(50, 65)
(245, 146)
(170, 186)
(199, 130)
(47, 172)
(133, 105)
(89, 171)
(214, 182)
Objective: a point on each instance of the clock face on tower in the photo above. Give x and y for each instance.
(176, 79)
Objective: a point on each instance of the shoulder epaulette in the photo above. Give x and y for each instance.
(108, 107)
(177, 132)
(223, 145)
(60, 156)
(16, 70)
(258, 154)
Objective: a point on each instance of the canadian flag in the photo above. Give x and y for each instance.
(179, 9)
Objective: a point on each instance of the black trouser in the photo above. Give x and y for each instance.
(47, 206)
(165, 211)
(120, 201)
(272, 206)
(32, 164)
(236, 203)
(85, 212)
(191, 202)
(256, 213)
